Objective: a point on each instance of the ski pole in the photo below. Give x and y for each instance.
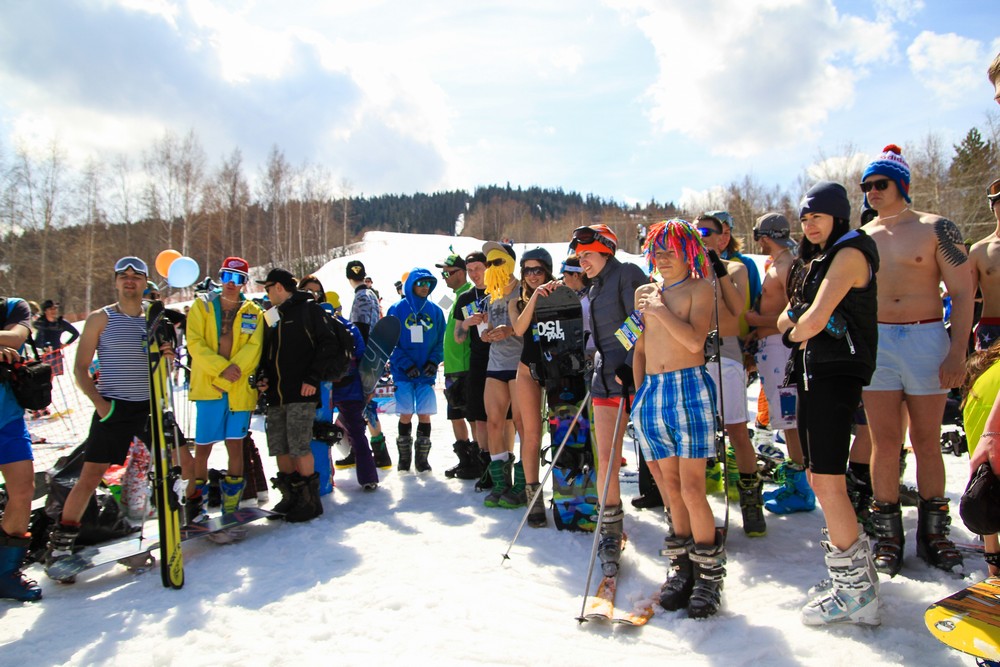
(721, 417)
(548, 472)
(600, 514)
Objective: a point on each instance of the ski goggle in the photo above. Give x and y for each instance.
(758, 234)
(993, 191)
(423, 283)
(880, 185)
(134, 263)
(234, 277)
(533, 271)
(583, 236)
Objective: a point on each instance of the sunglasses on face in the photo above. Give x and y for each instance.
(133, 263)
(449, 274)
(707, 231)
(233, 277)
(533, 271)
(496, 262)
(879, 185)
(423, 283)
(268, 286)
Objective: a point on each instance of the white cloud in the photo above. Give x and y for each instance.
(777, 66)
(696, 201)
(949, 65)
(842, 168)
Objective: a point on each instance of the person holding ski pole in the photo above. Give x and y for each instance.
(612, 296)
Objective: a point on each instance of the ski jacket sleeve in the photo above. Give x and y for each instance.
(71, 330)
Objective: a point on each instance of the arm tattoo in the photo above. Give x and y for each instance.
(950, 242)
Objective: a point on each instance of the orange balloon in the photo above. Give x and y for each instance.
(164, 260)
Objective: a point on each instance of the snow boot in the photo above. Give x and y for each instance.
(345, 463)
(709, 571)
(404, 444)
(423, 448)
(752, 505)
(469, 466)
(853, 595)
(795, 495)
(536, 515)
(713, 477)
(309, 504)
(609, 549)
(887, 526)
(676, 590)
(516, 496)
(213, 494)
(381, 453)
(485, 481)
(933, 544)
(284, 483)
(232, 493)
(500, 475)
(62, 539)
(13, 584)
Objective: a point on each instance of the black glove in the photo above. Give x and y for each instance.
(430, 369)
(412, 372)
(718, 265)
(837, 326)
(796, 311)
(624, 373)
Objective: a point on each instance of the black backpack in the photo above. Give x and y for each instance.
(341, 364)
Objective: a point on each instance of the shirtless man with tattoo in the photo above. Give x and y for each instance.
(917, 363)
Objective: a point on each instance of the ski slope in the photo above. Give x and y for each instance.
(413, 573)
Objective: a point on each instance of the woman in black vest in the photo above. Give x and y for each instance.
(830, 322)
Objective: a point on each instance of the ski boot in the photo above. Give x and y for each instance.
(713, 477)
(676, 590)
(709, 570)
(536, 515)
(285, 484)
(469, 466)
(752, 505)
(795, 495)
(308, 504)
(933, 544)
(853, 594)
(423, 448)
(232, 493)
(404, 445)
(732, 474)
(62, 539)
(13, 584)
(500, 474)
(609, 549)
(859, 490)
(345, 463)
(517, 495)
(194, 507)
(887, 526)
(381, 453)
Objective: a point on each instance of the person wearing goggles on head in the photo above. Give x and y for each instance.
(120, 395)
(983, 258)
(224, 338)
(414, 364)
(918, 360)
(612, 299)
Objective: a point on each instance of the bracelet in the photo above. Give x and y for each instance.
(989, 434)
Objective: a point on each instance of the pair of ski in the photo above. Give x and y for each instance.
(601, 607)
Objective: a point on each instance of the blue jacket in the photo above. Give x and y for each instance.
(349, 388)
(412, 312)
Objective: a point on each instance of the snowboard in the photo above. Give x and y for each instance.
(381, 342)
(969, 620)
(558, 329)
(137, 550)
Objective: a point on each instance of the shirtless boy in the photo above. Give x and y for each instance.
(674, 411)
(916, 363)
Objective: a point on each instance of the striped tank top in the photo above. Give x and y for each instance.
(121, 350)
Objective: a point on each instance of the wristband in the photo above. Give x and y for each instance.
(110, 412)
(990, 434)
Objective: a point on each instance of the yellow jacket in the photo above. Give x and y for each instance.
(207, 364)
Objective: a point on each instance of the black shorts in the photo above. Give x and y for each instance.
(109, 440)
(825, 417)
(475, 391)
(455, 393)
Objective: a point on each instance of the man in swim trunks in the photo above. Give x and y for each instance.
(984, 256)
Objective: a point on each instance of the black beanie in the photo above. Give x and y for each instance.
(826, 197)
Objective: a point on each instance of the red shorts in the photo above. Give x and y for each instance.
(610, 401)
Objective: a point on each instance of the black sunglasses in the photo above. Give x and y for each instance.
(880, 185)
(533, 271)
(707, 231)
(496, 262)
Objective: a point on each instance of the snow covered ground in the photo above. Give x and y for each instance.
(413, 573)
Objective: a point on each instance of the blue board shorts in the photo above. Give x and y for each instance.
(674, 415)
(909, 358)
(216, 422)
(415, 399)
(15, 442)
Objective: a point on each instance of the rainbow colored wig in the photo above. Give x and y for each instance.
(681, 237)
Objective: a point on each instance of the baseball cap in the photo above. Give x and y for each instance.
(279, 277)
(236, 265)
(776, 227)
(453, 262)
(355, 270)
(505, 247)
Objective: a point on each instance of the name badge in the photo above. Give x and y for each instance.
(416, 334)
(629, 332)
(248, 323)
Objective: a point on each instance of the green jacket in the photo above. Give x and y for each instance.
(456, 356)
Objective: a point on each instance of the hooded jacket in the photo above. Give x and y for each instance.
(203, 329)
(415, 351)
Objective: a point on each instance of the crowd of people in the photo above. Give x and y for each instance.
(846, 330)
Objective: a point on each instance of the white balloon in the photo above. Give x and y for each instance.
(183, 272)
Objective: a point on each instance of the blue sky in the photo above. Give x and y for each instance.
(627, 99)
